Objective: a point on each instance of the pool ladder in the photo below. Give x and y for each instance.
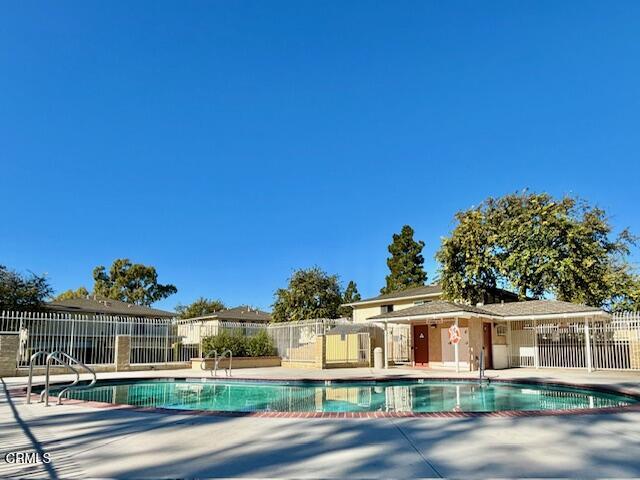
(217, 358)
(65, 360)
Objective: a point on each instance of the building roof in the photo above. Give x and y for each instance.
(242, 313)
(436, 307)
(434, 290)
(529, 308)
(106, 306)
(537, 307)
(426, 290)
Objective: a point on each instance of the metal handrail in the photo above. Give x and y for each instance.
(55, 356)
(481, 365)
(216, 361)
(30, 382)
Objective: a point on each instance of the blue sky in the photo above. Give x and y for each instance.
(228, 143)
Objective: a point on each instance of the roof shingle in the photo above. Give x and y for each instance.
(409, 292)
(510, 309)
(537, 307)
(106, 306)
(430, 308)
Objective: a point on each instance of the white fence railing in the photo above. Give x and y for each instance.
(608, 345)
(399, 343)
(91, 339)
(294, 341)
(613, 344)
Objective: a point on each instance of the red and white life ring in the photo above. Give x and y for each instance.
(454, 334)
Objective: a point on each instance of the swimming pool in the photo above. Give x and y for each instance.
(411, 396)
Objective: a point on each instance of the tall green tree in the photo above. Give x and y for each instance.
(200, 307)
(349, 295)
(537, 246)
(405, 263)
(468, 264)
(130, 282)
(311, 293)
(22, 292)
(80, 292)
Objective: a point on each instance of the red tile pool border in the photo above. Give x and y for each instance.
(21, 392)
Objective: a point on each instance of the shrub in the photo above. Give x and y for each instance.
(236, 342)
(260, 345)
(240, 345)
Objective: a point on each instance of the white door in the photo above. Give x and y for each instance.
(448, 350)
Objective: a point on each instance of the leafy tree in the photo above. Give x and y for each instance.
(628, 294)
(81, 292)
(200, 307)
(468, 265)
(311, 293)
(405, 263)
(350, 295)
(22, 292)
(130, 282)
(537, 246)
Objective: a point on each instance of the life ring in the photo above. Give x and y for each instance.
(454, 334)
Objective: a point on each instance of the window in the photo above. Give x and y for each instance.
(386, 308)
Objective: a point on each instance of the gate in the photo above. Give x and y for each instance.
(602, 345)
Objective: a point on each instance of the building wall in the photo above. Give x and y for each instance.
(475, 341)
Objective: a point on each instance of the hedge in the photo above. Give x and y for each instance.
(259, 345)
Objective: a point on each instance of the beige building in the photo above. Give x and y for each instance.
(391, 302)
(445, 334)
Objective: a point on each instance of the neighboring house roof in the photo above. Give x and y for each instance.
(243, 313)
(525, 309)
(93, 305)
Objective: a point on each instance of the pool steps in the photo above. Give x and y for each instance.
(217, 358)
(65, 360)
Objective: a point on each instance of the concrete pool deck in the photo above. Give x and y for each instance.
(91, 442)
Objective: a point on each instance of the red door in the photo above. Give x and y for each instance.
(421, 345)
(487, 345)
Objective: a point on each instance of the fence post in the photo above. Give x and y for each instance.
(291, 338)
(509, 344)
(123, 353)
(166, 344)
(320, 359)
(456, 351)
(386, 345)
(587, 344)
(536, 353)
(9, 347)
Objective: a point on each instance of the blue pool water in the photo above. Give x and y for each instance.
(399, 396)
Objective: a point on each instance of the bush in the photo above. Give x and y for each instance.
(240, 345)
(236, 342)
(260, 345)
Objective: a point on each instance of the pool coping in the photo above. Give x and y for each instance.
(612, 389)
